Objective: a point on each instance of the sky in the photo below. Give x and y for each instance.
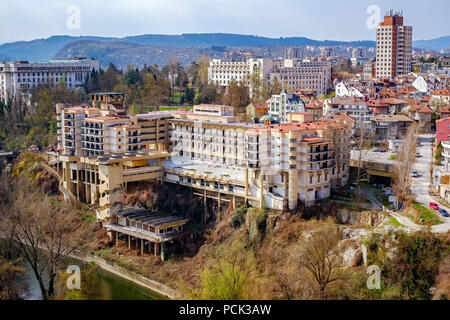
(316, 19)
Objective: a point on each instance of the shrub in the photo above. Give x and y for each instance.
(237, 217)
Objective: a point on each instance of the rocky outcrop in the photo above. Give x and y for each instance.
(365, 218)
(352, 253)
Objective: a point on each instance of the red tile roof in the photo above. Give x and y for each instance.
(442, 92)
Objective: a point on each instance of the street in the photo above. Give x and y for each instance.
(421, 184)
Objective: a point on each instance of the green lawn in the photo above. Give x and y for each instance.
(395, 222)
(426, 214)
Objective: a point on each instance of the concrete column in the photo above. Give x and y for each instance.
(162, 252)
(156, 247)
(246, 183)
(142, 247)
(129, 242)
(293, 194)
(234, 202)
(261, 190)
(117, 239)
(218, 201)
(204, 206)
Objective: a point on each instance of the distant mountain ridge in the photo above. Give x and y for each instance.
(44, 49)
(63, 46)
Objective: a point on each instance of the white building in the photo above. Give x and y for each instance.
(342, 90)
(21, 76)
(291, 73)
(284, 103)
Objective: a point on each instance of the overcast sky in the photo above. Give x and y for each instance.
(316, 19)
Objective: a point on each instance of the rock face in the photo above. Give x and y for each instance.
(371, 218)
(352, 253)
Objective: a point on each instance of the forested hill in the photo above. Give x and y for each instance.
(44, 49)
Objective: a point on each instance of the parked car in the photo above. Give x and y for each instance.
(382, 150)
(434, 205)
(418, 155)
(415, 174)
(443, 212)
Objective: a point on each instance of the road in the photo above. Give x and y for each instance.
(420, 185)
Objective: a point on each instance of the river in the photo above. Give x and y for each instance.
(112, 287)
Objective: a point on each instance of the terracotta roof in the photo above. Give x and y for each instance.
(425, 109)
(442, 92)
(408, 89)
(391, 118)
(445, 109)
(393, 101)
(316, 104)
(377, 104)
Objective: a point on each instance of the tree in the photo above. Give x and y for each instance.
(155, 92)
(320, 256)
(10, 274)
(404, 165)
(43, 232)
(226, 274)
(416, 264)
(237, 95)
(362, 143)
(170, 71)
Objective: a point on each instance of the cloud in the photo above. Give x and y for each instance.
(318, 19)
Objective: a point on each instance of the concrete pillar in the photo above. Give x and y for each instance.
(293, 194)
(129, 242)
(205, 208)
(234, 202)
(156, 247)
(162, 252)
(218, 201)
(261, 190)
(142, 247)
(117, 239)
(246, 183)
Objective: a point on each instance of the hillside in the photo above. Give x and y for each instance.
(154, 48)
(123, 54)
(433, 44)
(44, 49)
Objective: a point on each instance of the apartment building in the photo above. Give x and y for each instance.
(102, 151)
(314, 76)
(390, 127)
(393, 53)
(291, 73)
(271, 166)
(223, 72)
(284, 103)
(353, 107)
(17, 78)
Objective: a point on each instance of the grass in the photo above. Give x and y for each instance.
(425, 214)
(395, 222)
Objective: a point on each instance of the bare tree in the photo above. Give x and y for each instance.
(362, 142)
(404, 165)
(42, 231)
(319, 254)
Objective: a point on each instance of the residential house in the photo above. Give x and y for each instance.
(390, 127)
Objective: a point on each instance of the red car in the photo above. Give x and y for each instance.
(434, 205)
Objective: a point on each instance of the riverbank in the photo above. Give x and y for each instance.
(140, 280)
